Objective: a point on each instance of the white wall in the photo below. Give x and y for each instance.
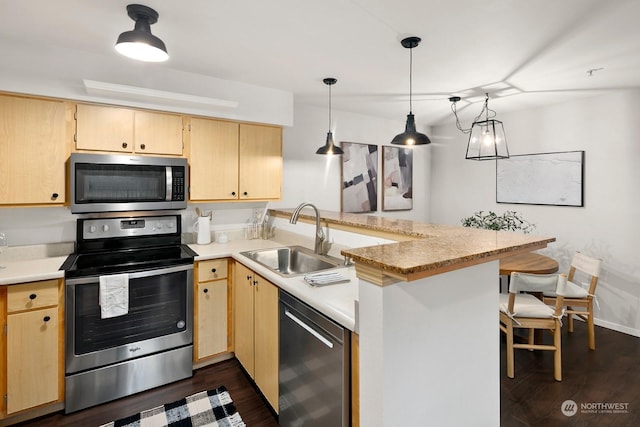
(607, 128)
(309, 177)
(56, 72)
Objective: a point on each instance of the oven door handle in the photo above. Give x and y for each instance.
(135, 275)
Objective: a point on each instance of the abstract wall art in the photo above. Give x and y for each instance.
(541, 179)
(359, 177)
(397, 173)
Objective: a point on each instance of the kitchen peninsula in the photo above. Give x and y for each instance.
(427, 319)
(426, 311)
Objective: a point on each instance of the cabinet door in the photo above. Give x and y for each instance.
(157, 133)
(213, 159)
(104, 128)
(212, 318)
(32, 359)
(33, 150)
(266, 340)
(260, 162)
(244, 317)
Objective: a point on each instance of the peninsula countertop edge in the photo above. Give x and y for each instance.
(423, 249)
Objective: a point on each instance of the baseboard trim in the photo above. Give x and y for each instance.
(616, 327)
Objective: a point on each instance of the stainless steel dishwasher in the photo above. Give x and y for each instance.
(314, 367)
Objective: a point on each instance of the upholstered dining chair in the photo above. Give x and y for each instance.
(526, 311)
(579, 298)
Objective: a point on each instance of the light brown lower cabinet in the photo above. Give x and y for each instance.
(33, 348)
(211, 302)
(256, 331)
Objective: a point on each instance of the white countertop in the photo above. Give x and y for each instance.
(334, 301)
(30, 270)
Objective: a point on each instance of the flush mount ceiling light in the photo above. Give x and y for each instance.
(139, 43)
(329, 147)
(410, 136)
(486, 137)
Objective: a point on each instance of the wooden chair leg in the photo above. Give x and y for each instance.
(532, 337)
(557, 353)
(569, 320)
(591, 330)
(510, 361)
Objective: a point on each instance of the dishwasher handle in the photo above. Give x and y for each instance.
(308, 328)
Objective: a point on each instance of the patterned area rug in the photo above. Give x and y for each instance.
(207, 408)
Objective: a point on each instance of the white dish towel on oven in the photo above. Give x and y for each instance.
(114, 295)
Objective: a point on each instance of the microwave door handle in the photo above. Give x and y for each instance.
(169, 183)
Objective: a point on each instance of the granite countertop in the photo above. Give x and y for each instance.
(429, 249)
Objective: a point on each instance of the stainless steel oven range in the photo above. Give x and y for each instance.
(128, 308)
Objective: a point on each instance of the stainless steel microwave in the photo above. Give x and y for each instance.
(119, 183)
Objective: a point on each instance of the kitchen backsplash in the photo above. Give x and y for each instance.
(52, 225)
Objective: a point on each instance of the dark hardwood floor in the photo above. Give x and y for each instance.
(608, 375)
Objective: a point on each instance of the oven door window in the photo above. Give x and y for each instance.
(106, 183)
(157, 307)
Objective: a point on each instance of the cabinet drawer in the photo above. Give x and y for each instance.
(212, 270)
(32, 295)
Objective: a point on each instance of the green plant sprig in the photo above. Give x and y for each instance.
(508, 221)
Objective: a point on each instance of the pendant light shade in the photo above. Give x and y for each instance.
(487, 140)
(139, 43)
(410, 136)
(329, 147)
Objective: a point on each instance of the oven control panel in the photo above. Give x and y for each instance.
(104, 228)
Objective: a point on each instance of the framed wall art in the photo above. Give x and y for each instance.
(541, 179)
(359, 170)
(397, 173)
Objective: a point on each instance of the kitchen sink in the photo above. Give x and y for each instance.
(291, 261)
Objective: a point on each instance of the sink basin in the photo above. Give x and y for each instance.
(291, 261)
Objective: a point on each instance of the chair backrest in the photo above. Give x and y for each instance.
(526, 282)
(587, 265)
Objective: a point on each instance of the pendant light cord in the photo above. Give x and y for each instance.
(410, 79)
(329, 108)
(485, 110)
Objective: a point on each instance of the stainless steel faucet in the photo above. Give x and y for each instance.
(320, 238)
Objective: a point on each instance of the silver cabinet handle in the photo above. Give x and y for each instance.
(308, 329)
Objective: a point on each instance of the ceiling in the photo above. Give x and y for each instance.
(523, 53)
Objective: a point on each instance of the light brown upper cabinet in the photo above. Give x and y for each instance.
(232, 161)
(122, 130)
(260, 162)
(33, 150)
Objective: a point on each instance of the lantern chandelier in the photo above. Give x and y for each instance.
(487, 140)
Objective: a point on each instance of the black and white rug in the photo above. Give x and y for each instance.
(207, 408)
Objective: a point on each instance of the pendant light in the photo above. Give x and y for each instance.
(329, 147)
(410, 136)
(487, 140)
(139, 43)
